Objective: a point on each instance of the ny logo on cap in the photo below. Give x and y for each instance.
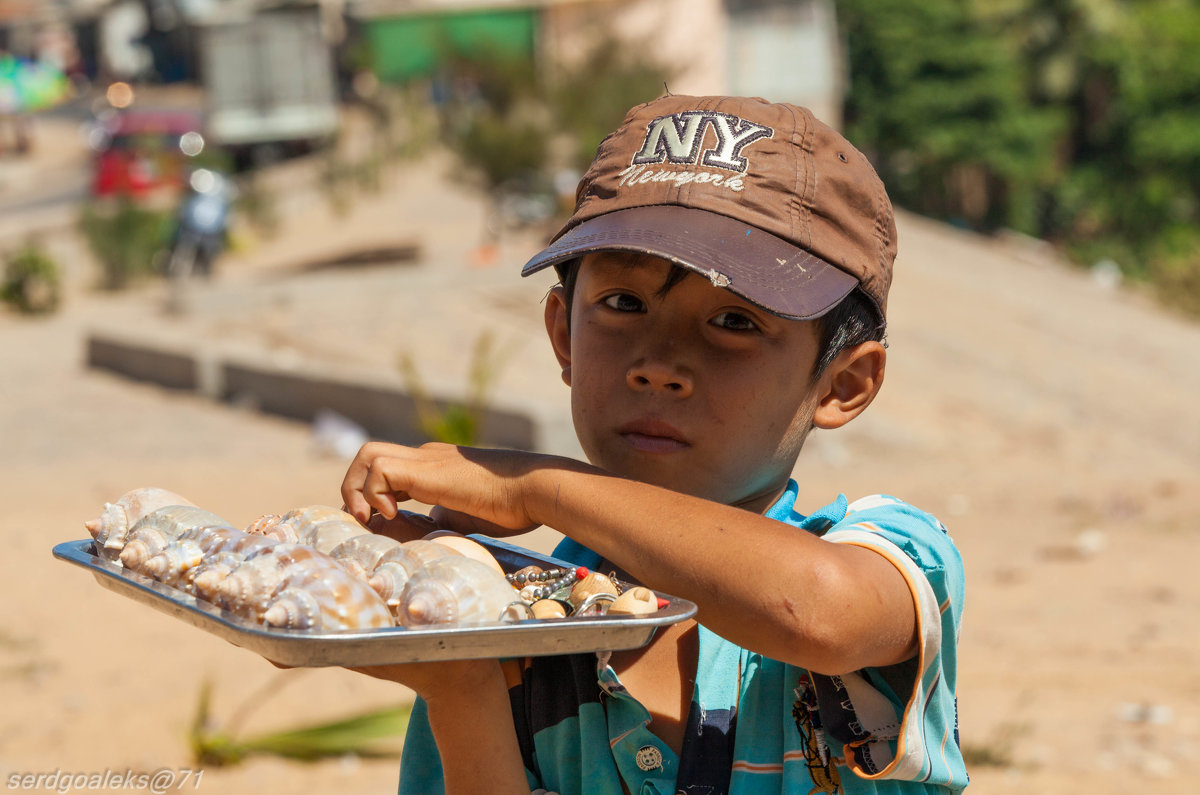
(677, 138)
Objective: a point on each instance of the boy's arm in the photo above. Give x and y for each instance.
(471, 720)
(831, 608)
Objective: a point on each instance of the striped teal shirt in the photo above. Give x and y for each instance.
(756, 725)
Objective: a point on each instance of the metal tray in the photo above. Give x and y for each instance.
(314, 648)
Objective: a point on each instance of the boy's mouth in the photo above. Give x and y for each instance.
(652, 436)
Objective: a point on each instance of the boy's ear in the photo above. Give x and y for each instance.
(556, 329)
(849, 384)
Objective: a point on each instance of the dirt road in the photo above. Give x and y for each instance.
(1052, 423)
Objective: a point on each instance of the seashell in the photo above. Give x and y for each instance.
(110, 529)
(174, 564)
(318, 526)
(204, 581)
(457, 590)
(591, 585)
(154, 531)
(360, 555)
(248, 589)
(549, 608)
(170, 565)
(326, 598)
(263, 523)
(237, 542)
(465, 546)
(397, 566)
(637, 601)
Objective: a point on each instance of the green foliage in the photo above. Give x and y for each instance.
(32, 280)
(508, 124)
(937, 99)
(124, 236)
(372, 734)
(1072, 120)
(592, 98)
(502, 149)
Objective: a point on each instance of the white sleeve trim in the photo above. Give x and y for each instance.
(912, 754)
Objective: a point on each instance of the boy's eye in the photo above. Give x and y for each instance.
(734, 321)
(623, 302)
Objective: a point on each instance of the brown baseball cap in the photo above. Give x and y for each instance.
(761, 198)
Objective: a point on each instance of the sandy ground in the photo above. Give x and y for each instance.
(1051, 422)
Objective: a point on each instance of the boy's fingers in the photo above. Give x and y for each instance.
(367, 484)
(385, 486)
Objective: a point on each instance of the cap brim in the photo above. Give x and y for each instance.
(760, 267)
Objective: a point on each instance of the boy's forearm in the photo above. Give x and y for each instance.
(762, 584)
(476, 740)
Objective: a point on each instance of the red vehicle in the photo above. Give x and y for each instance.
(141, 152)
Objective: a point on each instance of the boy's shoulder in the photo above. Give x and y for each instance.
(914, 540)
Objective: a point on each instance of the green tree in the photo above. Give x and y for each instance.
(938, 100)
(1135, 185)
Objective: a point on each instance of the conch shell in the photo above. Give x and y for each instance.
(396, 567)
(360, 555)
(458, 590)
(465, 546)
(262, 524)
(204, 581)
(112, 526)
(154, 531)
(175, 565)
(326, 598)
(318, 526)
(249, 588)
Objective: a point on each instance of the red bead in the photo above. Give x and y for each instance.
(581, 572)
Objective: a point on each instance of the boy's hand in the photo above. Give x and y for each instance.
(485, 485)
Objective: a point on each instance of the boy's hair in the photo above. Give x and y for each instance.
(852, 321)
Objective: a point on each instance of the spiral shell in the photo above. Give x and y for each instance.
(397, 566)
(360, 555)
(175, 564)
(111, 528)
(326, 598)
(145, 546)
(263, 523)
(249, 588)
(457, 590)
(154, 531)
(318, 526)
(204, 581)
(465, 546)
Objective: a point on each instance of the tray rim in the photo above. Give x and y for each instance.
(363, 648)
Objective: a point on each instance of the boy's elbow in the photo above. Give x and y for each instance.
(844, 627)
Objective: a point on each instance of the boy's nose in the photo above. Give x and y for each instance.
(654, 376)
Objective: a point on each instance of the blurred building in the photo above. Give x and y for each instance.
(784, 50)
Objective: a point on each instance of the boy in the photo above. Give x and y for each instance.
(724, 283)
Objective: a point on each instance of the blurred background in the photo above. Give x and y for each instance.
(240, 237)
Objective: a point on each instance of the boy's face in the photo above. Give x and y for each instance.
(693, 389)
